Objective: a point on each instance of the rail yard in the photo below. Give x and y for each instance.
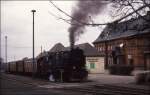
(23, 85)
(59, 61)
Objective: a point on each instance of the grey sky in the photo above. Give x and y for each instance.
(16, 23)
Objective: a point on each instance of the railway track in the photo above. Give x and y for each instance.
(134, 91)
(17, 86)
(24, 80)
(109, 90)
(88, 89)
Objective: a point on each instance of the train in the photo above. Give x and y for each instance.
(62, 66)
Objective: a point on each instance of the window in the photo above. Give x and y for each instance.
(100, 49)
(92, 65)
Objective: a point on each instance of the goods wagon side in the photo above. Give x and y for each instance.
(28, 67)
(6, 67)
(12, 67)
(20, 66)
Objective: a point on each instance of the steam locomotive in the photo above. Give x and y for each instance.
(63, 66)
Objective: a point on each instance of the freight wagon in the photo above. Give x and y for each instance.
(22, 67)
(28, 66)
(12, 67)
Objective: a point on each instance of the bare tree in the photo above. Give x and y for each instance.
(121, 8)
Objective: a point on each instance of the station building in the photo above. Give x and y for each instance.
(126, 42)
(94, 60)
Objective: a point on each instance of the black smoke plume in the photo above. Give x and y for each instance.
(81, 15)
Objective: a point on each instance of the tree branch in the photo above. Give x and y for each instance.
(98, 24)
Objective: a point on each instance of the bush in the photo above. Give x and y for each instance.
(121, 69)
(142, 77)
(148, 77)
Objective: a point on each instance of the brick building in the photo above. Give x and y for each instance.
(127, 42)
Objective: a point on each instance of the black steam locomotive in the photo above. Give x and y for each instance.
(64, 66)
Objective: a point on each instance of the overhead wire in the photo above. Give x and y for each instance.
(65, 20)
(65, 12)
(98, 24)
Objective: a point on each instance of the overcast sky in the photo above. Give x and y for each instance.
(16, 23)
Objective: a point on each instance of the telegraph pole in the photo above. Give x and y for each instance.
(6, 49)
(0, 53)
(33, 11)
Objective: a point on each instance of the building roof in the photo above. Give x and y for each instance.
(57, 47)
(124, 29)
(44, 53)
(88, 49)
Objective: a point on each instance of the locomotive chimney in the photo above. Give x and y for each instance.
(71, 38)
(72, 46)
